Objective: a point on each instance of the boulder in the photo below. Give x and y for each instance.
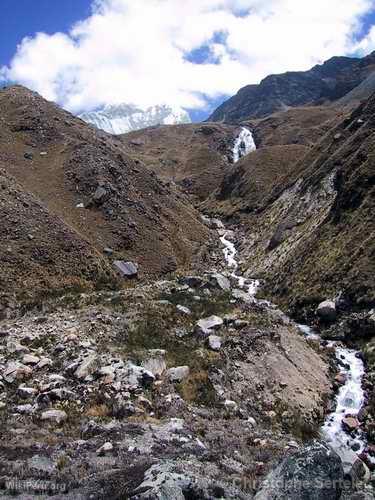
(156, 363)
(126, 269)
(100, 195)
(16, 371)
(350, 423)
(206, 325)
(191, 281)
(183, 310)
(87, 367)
(29, 359)
(327, 311)
(108, 446)
(352, 465)
(214, 342)
(178, 373)
(136, 376)
(241, 295)
(313, 473)
(26, 392)
(57, 416)
(220, 281)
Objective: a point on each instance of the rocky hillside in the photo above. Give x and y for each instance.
(39, 252)
(172, 389)
(86, 182)
(312, 236)
(195, 156)
(323, 83)
(252, 179)
(301, 125)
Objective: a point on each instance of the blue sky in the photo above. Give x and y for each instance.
(20, 18)
(202, 55)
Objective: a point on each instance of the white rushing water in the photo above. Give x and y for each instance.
(349, 401)
(243, 145)
(350, 397)
(230, 253)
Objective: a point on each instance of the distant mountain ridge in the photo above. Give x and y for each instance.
(324, 83)
(123, 118)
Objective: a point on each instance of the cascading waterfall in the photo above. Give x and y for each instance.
(350, 397)
(243, 145)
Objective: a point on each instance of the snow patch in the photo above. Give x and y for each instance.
(123, 118)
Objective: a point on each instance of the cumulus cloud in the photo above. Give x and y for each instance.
(143, 51)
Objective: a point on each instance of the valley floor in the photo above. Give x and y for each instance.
(187, 388)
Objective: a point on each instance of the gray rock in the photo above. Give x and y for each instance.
(183, 310)
(206, 325)
(16, 371)
(352, 464)
(230, 405)
(99, 195)
(160, 484)
(313, 473)
(123, 409)
(87, 367)
(126, 269)
(241, 295)
(29, 359)
(26, 392)
(61, 394)
(240, 323)
(25, 409)
(220, 281)
(156, 363)
(108, 446)
(191, 281)
(178, 373)
(45, 362)
(57, 416)
(327, 311)
(214, 342)
(108, 251)
(136, 376)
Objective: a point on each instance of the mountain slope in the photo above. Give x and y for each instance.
(122, 118)
(313, 236)
(39, 252)
(301, 125)
(323, 83)
(252, 179)
(66, 164)
(194, 156)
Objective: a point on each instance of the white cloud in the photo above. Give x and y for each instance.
(135, 51)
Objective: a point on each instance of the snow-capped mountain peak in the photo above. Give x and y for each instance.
(123, 118)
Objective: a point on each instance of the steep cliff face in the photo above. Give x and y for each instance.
(323, 83)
